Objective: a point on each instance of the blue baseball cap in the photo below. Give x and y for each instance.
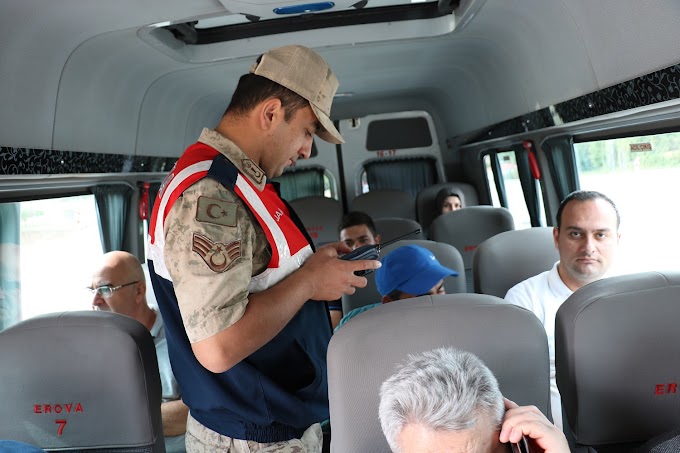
(411, 269)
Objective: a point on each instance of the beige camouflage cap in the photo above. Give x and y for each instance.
(306, 73)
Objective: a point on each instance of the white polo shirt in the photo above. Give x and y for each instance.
(543, 295)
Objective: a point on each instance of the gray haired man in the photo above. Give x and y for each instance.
(446, 400)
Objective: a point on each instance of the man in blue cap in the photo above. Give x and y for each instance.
(406, 272)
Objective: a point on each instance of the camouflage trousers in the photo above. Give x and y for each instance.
(200, 439)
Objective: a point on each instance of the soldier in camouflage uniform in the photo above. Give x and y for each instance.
(235, 274)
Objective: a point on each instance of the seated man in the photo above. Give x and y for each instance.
(356, 229)
(119, 286)
(447, 400)
(406, 272)
(586, 236)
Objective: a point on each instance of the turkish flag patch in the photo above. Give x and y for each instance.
(218, 256)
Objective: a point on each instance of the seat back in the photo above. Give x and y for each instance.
(446, 254)
(320, 216)
(386, 203)
(426, 209)
(617, 356)
(81, 381)
(393, 227)
(508, 258)
(510, 340)
(466, 228)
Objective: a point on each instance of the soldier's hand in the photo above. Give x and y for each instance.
(331, 277)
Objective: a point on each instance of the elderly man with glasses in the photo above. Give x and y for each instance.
(119, 286)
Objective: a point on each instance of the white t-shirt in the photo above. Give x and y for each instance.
(543, 295)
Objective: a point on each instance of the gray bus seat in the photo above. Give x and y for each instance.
(446, 254)
(617, 358)
(321, 217)
(466, 228)
(510, 340)
(508, 258)
(83, 380)
(425, 201)
(386, 203)
(393, 227)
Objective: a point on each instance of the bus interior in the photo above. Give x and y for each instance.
(515, 104)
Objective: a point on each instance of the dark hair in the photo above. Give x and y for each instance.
(443, 195)
(253, 89)
(354, 218)
(585, 195)
(395, 294)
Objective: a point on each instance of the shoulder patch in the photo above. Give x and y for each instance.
(252, 170)
(218, 256)
(217, 211)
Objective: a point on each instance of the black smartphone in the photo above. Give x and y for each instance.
(520, 447)
(371, 252)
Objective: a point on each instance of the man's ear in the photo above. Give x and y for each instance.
(377, 239)
(141, 290)
(269, 113)
(556, 233)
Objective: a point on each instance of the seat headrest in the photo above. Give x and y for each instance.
(510, 340)
(80, 380)
(386, 203)
(508, 258)
(617, 350)
(466, 228)
(320, 216)
(393, 227)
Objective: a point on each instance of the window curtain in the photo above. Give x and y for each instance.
(10, 278)
(498, 179)
(529, 185)
(113, 203)
(301, 183)
(409, 175)
(560, 154)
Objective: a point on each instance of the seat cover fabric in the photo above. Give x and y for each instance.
(617, 353)
(510, 257)
(386, 203)
(510, 341)
(80, 380)
(320, 216)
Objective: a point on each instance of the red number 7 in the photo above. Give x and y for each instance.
(61, 424)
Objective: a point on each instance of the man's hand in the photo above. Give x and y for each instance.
(331, 277)
(530, 422)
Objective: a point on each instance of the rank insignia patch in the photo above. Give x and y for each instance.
(214, 210)
(253, 170)
(218, 256)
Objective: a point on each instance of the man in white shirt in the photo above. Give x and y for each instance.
(587, 237)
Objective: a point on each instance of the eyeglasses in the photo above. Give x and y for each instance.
(106, 291)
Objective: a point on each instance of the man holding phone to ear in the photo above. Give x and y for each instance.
(447, 400)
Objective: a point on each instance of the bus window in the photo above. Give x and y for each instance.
(306, 182)
(513, 188)
(640, 174)
(48, 249)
